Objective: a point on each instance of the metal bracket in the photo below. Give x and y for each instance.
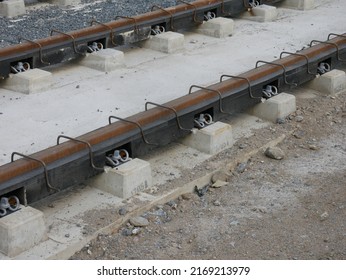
(91, 156)
(336, 35)
(211, 90)
(135, 28)
(135, 123)
(301, 55)
(245, 79)
(332, 44)
(277, 64)
(70, 36)
(111, 34)
(160, 8)
(40, 49)
(168, 108)
(192, 5)
(49, 186)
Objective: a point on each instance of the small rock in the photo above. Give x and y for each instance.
(172, 204)
(299, 134)
(220, 176)
(324, 216)
(313, 147)
(241, 167)
(67, 235)
(280, 121)
(242, 146)
(122, 211)
(217, 203)
(299, 118)
(234, 223)
(139, 222)
(187, 196)
(77, 86)
(126, 232)
(202, 190)
(219, 184)
(274, 153)
(89, 252)
(136, 231)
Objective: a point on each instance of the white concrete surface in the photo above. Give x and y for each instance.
(31, 81)
(12, 8)
(217, 27)
(299, 4)
(126, 180)
(152, 76)
(330, 83)
(168, 42)
(279, 106)
(105, 60)
(211, 139)
(21, 231)
(262, 13)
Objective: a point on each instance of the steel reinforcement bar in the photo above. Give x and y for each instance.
(34, 177)
(61, 47)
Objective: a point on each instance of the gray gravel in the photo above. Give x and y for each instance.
(38, 22)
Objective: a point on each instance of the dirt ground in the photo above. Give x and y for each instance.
(293, 208)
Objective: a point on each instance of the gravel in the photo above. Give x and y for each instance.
(40, 20)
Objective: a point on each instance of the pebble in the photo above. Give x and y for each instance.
(313, 147)
(122, 211)
(299, 118)
(136, 231)
(274, 153)
(280, 121)
(67, 235)
(241, 167)
(139, 222)
(242, 146)
(219, 184)
(220, 176)
(324, 216)
(187, 196)
(299, 134)
(217, 203)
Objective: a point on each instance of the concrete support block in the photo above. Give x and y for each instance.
(105, 60)
(21, 231)
(331, 82)
(12, 8)
(32, 81)
(262, 13)
(168, 42)
(218, 27)
(211, 139)
(125, 180)
(299, 4)
(65, 2)
(279, 106)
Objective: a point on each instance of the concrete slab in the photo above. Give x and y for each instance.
(12, 8)
(262, 13)
(21, 231)
(330, 83)
(299, 4)
(168, 42)
(105, 60)
(65, 2)
(218, 27)
(31, 81)
(279, 106)
(125, 180)
(212, 139)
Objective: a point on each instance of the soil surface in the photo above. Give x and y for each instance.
(293, 208)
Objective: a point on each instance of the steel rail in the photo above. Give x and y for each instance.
(68, 164)
(60, 47)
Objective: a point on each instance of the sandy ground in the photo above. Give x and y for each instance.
(293, 208)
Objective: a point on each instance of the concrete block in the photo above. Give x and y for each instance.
(331, 82)
(299, 4)
(12, 8)
(168, 42)
(65, 2)
(212, 139)
(262, 13)
(218, 27)
(31, 81)
(105, 60)
(279, 106)
(21, 231)
(125, 180)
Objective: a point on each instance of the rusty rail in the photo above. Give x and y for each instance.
(68, 163)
